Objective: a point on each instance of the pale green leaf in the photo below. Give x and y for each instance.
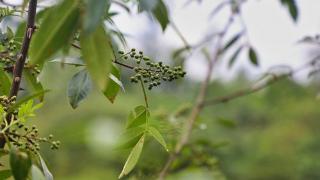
(97, 53)
(114, 84)
(20, 164)
(36, 173)
(133, 158)
(48, 175)
(157, 135)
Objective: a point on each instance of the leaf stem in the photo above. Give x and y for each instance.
(144, 94)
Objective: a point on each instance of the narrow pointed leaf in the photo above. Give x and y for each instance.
(132, 158)
(36, 173)
(97, 53)
(234, 57)
(160, 12)
(32, 83)
(157, 135)
(231, 42)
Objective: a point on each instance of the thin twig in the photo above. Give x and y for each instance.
(189, 124)
(258, 86)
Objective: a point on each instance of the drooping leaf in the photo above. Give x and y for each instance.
(5, 83)
(55, 31)
(94, 11)
(97, 53)
(292, 7)
(132, 158)
(20, 164)
(36, 173)
(158, 9)
(234, 57)
(5, 174)
(48, 175)
(253, 56)
(114, 84)
(33, 84)
(160, 12)
(79, 87)
(157, 135)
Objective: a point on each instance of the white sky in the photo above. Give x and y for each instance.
(271, 31)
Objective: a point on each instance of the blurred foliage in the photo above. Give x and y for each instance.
(269, 135)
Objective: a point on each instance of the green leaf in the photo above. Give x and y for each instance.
(114, 84)
(27, 98)
(33, 84)
(232, 41)
(3, 152)
(55, 31)
(130, 137)
(5, 174)
(157, 135)
(253, 57)
(48, 175)
(147, 5)
(138, 117)
(160, 12)
(97, 53)
(27, 110)
(36, 173)
(78, 88)
(234, 57)
(5, 83)
(292, 7)
(227, 122)
(132, 158)
(93, 14)
(157, 8)
(75, 61)
(20, 164)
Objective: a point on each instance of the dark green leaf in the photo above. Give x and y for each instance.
(292, 7)
(55, 31)
(160, 12)
(114, 84)
(157, 135)
(20, 164)
(132, 158)
(79, 88)
(5, 174)
(231, 42)
(253, 57)
(227, 122)
(97, 53)
(147, 5)
(93, 14)
(234, 57)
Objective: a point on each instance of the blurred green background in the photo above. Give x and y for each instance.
(273, 134)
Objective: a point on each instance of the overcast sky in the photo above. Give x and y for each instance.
(271, 31)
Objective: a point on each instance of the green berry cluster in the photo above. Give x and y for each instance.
(149, 72)
(20, 135)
